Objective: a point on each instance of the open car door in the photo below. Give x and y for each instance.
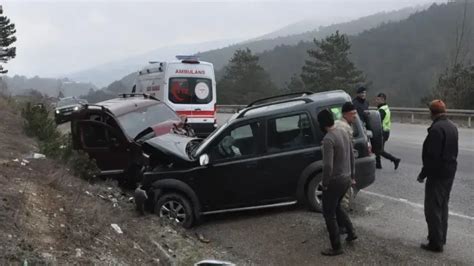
(108, 146)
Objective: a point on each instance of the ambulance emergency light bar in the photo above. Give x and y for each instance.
(192, 59)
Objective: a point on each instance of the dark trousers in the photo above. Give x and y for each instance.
(437, 192)
(386, 155)
(334, 213)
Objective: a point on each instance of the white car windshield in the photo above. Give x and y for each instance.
(67, 101)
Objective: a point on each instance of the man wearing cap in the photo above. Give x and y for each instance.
(338, 171)
(349, 115)
(385, 115)
(361, 104)
(440, 151)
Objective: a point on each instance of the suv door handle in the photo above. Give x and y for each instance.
(251, 164)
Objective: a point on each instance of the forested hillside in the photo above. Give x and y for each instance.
(50, 86)
(220, 57)
(403, 59)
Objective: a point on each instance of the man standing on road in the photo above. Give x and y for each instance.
(349, 115)
(361, 104)
(385, 115)
(440, 151)
(338, 174)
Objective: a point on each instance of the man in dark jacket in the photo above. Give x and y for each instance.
(440, 151)
(361, 104)
(338, 175)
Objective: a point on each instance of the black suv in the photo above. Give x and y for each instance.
(266, 155)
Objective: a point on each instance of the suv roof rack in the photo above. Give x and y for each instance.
(146, 96)
(306, 100)
(280, 96)
(87, 105)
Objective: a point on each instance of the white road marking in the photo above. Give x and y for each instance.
(374, 207)
(413, 204)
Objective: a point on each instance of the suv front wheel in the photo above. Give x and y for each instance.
(176, 208)
(314, 194)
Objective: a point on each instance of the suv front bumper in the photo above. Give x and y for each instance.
(365, 171)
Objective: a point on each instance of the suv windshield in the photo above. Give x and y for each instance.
(190, 90)
(198, 149)
(140, 119)
(68, 101)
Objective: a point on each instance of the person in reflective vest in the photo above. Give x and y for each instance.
(385, 115)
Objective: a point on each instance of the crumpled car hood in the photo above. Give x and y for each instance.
(170, 147)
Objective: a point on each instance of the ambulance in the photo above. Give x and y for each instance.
(187, 85)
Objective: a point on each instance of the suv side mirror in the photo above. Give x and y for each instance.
(204, 159)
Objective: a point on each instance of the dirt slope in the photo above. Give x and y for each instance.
(49, 216)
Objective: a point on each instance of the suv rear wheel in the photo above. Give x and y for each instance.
(176, 208)
(374, 124)
(314, 194)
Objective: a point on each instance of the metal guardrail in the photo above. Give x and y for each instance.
(412, 112)
(453, 113)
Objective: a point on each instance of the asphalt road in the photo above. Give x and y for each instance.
(388, 217)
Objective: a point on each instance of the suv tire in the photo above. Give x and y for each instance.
(314, 194)
(374, 124)
(176, 208)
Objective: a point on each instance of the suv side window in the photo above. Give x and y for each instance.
(289, 132)
(238, 142)
(94, 136)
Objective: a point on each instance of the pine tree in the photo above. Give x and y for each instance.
(329, 67)
(295, 85)
(7, 32)
(456, 87)
(244, 80)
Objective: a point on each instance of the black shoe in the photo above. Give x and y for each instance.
(342, 230)
(431, 248)
(396, 163)
(351, 237)
(378, 166)
(332, 252)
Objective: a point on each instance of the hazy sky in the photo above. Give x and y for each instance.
(60, 37)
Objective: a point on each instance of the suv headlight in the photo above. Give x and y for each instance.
(76, 108)
(57, 111)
